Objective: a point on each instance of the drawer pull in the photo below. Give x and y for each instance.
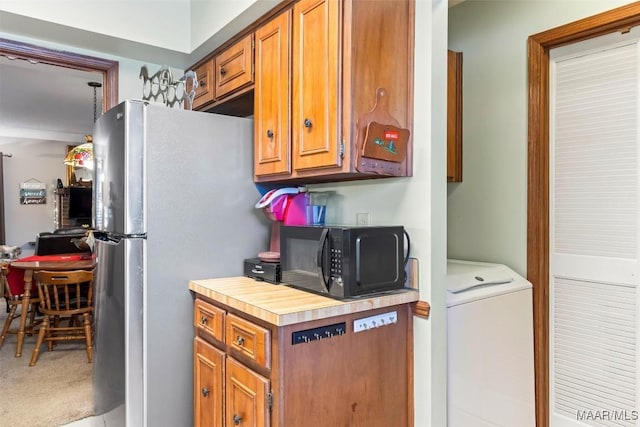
(204, 320)
(307, 123)
(202, 83)
(239, 341)
(205, 391)
(237, 419)
(222, 71)
(269, 133)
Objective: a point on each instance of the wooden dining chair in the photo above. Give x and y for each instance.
(13, 291)
(66, 297)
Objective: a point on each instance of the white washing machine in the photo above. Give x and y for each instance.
(490, 346)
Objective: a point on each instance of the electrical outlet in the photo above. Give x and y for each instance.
(362, 218)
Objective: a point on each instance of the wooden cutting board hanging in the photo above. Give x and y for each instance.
(383, 149)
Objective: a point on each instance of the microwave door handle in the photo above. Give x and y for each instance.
(320, 259)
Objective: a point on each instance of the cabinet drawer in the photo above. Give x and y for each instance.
(209, 318)
(249, 339)
(234, 67)
(204, 91)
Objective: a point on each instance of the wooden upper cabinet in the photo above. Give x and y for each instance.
(272, 97)
(454, 116)
(204, 91)
(316, 49)
(340, 58)
(233, 67)
(320, 66)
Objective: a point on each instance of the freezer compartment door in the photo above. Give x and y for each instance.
(120, 171)
(118, 355)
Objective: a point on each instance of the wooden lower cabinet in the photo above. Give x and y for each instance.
(224, 389)
(321, 372)
(247, 396)
(208, 383)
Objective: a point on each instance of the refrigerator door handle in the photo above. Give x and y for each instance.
(115, 238)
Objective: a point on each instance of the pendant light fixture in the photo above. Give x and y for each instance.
(81, 156)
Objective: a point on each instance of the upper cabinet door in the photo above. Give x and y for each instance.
(454, 116)
(234, 67)
(204, 90)
(272, 97)
(316, 84)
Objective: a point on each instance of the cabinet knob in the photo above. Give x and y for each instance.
(201, 83)
(237, 419)
(222, 71)
(239, 341)
(307, 123)
(205, 391)
(204, 320)
(269, 133)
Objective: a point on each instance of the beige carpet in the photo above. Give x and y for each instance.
(53, 393)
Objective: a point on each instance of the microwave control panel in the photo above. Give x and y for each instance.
(335, 263)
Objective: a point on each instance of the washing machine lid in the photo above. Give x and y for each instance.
(469, 281)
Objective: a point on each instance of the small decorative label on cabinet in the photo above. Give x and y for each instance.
(385, 142)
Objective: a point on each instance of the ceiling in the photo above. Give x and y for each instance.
(45, 102)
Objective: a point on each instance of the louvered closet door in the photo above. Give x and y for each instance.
(594, 264)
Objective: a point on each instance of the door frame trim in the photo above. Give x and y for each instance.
(76, 61)
(539, 45)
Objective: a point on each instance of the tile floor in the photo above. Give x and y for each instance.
(110, 419)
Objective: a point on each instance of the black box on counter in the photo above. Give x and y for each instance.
(259, 270)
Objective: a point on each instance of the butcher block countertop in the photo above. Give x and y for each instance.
(282, 305)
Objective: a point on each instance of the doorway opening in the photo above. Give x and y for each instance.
(108, 69)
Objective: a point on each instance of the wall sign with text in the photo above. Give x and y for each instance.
(33, 192)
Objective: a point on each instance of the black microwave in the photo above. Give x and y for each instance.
(343, 261)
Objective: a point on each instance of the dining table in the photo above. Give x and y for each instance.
(30, 265)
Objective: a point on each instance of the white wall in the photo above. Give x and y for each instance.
(487, 212)
(37, 160)
(163, 23)
(173, 32)
(208, 17)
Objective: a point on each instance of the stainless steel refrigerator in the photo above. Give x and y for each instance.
(173, 201)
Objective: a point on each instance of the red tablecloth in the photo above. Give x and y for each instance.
(15, 277)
